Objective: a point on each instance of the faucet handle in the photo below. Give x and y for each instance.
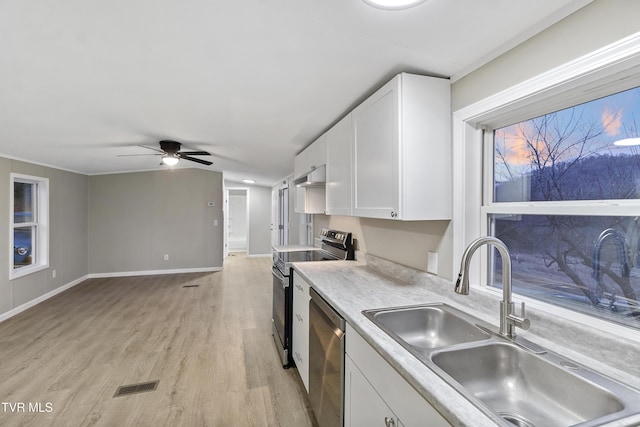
(521, 321)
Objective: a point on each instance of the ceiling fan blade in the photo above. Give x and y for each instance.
(151, 148)
(193, 159)
(195, 153)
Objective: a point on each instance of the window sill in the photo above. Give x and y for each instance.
(551, 312)
(25, 271)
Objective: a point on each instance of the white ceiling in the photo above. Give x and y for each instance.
(252, 81)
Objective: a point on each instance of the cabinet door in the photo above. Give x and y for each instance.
(395, 391)
(315, 155)
(363, 406)
(300, 327)
(376, 154)
(339, 167)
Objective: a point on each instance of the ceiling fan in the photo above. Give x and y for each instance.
(171, 154)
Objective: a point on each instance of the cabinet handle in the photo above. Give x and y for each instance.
(299, 287)
(299, 317)
(394, 214)
(389, 422)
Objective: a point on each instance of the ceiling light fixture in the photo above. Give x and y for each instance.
(249, 181)
(627, 142)
(170, 159)
(393, 4)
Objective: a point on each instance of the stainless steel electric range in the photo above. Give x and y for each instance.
(336, 245)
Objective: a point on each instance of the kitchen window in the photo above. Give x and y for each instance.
(557, 189)
(554, 180)
(29, 232)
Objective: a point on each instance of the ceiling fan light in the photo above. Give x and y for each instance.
(170, 159)
(627, 142)
(393, 4)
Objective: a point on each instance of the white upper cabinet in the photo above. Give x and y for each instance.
(311, 200)
(314, 156)
(339, 167)
(402, 151)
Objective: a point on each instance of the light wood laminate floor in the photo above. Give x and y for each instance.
(210, 347)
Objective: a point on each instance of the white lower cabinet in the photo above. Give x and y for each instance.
(377, 395)
(363, 406)
(300, 327)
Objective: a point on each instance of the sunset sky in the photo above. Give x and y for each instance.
(605, 120)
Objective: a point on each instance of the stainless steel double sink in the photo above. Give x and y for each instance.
(511, 383)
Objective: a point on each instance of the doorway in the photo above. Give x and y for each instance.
(237, 220)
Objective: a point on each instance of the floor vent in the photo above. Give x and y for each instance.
(190, 286)
(126, 390)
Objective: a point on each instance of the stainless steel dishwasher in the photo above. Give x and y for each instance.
(326, 362)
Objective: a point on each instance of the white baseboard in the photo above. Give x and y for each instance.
(6, 315)
(154, 272)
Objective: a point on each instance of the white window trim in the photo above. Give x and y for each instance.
(42, 237)
(606, 70)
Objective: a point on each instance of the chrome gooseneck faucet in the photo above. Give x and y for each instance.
(622, 251)
(597, 293)
(508, 318)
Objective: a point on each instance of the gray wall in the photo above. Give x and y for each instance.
(68, 224)
(259, 217)
(598, 24)
(137, 218)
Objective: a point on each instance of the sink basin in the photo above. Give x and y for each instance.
(515, 382)
(524, 388)
(427, 326)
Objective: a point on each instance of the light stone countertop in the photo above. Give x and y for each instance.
(294, 248)
(354, 286)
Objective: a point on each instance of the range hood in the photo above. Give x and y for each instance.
(315, 178)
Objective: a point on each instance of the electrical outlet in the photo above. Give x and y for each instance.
(166, 257)
(432, 262)
(54, 273)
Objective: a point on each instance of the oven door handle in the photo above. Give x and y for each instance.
(276, 273)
